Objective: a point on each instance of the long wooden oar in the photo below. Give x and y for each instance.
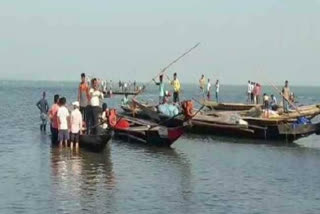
(169, 65)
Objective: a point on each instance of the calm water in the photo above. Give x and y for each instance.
(198, 175)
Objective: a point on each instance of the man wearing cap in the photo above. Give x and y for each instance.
(76, 125)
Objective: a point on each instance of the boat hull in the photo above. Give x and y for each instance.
(150, 137)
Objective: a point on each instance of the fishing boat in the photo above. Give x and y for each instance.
(202, 123)
(231, 123)
(228, 106)
(109, 93)
(95, 142)
(139, 130)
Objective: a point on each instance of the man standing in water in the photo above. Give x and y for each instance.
(202, 83)
(83, 97)
(54, 120)
(161, 88)
(44, 108)
(286, 96)
(176, 88)
(76, 125)
(63, 122)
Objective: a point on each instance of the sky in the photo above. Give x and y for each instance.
(133, 40)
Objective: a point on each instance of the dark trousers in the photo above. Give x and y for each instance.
(85, 111)
(54, 134)
(176, 97)
(95, 112)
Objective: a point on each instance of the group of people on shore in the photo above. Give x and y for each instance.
(206, 87)
(67, 126)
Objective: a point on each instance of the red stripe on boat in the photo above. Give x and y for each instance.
(122, 124)
(174, 134)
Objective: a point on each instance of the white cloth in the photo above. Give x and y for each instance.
(208, 86)
(63, 114)
(249, 88)
(217, 87)
(104, 117)
(95, 97)
(76, 121)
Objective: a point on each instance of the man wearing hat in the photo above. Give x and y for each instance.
(76, 125)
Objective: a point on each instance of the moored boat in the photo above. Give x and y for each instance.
(95, 142)
(232, 124)
(139, 130)
(228, 106)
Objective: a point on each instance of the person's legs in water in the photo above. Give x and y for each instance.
(66, 137)
(60, 138)
(217, 97)
(71, 141)
(76, 140)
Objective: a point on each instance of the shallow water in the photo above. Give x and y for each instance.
(200, 174)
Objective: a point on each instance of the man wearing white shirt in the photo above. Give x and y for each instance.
(63, 122)
(95, 99)
(76, 125)
(249, 91)
(208, 89)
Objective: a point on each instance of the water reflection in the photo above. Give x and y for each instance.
(157, 176)
(78, 177)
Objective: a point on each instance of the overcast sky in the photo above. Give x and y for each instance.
(134, 39)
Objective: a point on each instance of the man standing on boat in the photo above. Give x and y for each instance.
(95, 105)
(176, 88)
(249, 91)
(44, 108)
(208, 89)
(286, 96)
(161, 88)
(202, 83)
(83, 97)
(217, 90)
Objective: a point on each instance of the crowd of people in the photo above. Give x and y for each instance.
(89, 105)
(254, 97)
(67, 126)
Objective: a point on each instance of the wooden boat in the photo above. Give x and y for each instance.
(228, 106)
(139, 130)
(230, 123)
(95, 142)
(202, 123)
(108, 93)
